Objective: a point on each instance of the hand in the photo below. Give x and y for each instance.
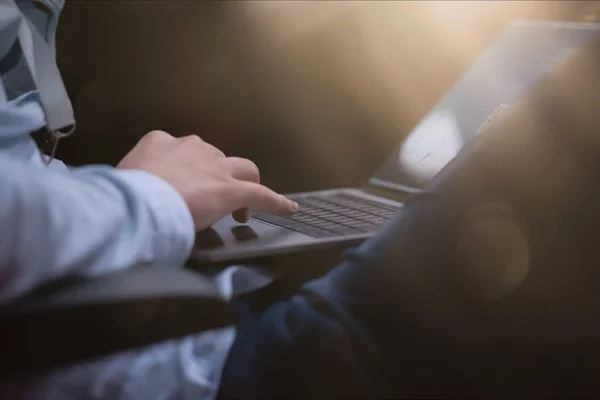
(211, 184)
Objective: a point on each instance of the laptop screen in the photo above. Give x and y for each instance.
(523, 54)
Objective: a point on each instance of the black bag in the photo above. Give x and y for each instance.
(66, 322)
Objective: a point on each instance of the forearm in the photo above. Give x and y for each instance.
(87, 222)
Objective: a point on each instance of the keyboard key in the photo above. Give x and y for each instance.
(334, 215)
(289, 224)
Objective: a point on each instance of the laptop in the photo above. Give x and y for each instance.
(525, 52)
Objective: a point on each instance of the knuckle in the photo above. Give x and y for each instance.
(250, 169)
(253, 168)
(157, 135)
(223, 166)
(192, 139)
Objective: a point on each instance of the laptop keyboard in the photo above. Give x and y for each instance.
(333, 215)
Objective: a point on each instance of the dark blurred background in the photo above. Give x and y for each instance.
(316, 93)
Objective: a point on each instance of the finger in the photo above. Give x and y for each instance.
(260, 198)
(242, 215)
(243, 169)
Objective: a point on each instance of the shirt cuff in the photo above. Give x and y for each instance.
(171, 217)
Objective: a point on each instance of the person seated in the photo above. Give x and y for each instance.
(426, 308)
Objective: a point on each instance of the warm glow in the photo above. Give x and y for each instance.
(432, 145)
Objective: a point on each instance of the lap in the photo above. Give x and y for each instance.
(342, 334)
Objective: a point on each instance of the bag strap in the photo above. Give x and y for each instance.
(40, 61)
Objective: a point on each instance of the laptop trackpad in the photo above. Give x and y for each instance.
(208, 239)
(244, 233)
(229, 234)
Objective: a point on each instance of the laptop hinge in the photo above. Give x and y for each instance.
(391, 192)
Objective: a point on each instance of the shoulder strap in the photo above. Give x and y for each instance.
(10, 19)
(40, 60)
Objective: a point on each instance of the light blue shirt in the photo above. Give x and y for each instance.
(85, 221)
(88, 221)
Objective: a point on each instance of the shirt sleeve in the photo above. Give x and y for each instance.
(86, 221)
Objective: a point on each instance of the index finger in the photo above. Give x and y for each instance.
(260, 198)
